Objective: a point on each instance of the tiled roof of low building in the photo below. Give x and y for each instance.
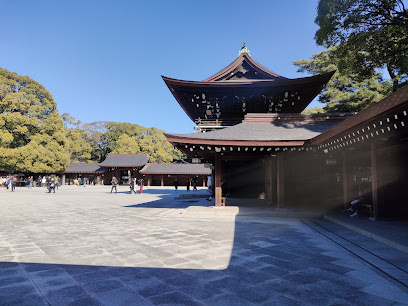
(125, 160)
(84, 168)
(273, 127)
(191, 169)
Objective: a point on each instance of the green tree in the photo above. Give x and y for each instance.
(77, 142)
(32, 134)
(369, 34)
(314, 110)
(94, 132)
(123, 137)
(346, 91)
(126, 145)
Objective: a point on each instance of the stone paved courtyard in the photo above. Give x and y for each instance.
(84, 246)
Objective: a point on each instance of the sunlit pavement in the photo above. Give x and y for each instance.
(85, 246)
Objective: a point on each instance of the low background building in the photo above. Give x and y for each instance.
(166, 174)
(123, 166)
(91, 174)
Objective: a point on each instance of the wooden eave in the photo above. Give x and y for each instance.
(238, 61)
(377, 111)
(321, 78)
(241, 143)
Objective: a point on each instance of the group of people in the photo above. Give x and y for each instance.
(10, 182)
(80, 181)
(50, 182)
(190, 182)
(132, 185)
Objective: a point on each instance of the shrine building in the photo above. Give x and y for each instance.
(250, 128)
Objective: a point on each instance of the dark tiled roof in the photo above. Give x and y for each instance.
(125, 160)
(84, 168)
(197, 169)
(274, 127)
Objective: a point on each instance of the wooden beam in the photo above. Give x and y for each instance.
(243, 157)
(268, 179)
(280, 175)
(162, 180)
(218, 179)
(346, 194)
(374, 181)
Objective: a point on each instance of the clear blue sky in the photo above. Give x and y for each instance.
(103, 60)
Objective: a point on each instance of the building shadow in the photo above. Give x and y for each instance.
(245, 261)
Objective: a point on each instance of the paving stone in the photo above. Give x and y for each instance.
(157, 288)
(102, 285)
(227, 299)
(121, 296)
(82, 247)
(9, 294)
(91, 276)
(173, 298)
(34, 267)
(387, 292)
(79, 269)
(25, 300)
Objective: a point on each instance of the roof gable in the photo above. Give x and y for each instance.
(244, 68)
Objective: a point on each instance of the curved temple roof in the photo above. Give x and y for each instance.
(265, 130)
(245, 86)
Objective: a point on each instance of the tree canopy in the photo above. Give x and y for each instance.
(35, 138)
(346, 91)
(369, 34)
(77, 143)
(32, 136)
(124, 137)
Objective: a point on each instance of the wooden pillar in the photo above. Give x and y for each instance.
(204, 177)
(218, 179)
(268, 179)
(149, 180)
(346, 183)
(63, 179)
(374, 181)
(162, 181)
(280, 180)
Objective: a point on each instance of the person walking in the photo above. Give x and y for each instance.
(194, 181)
(114, 184)
(43, 182)
(141, 183)
(48, 183)
(132, 185)
(51, 185)
(13, 183)
(176, 183)
(30, 182)
(209, 183)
